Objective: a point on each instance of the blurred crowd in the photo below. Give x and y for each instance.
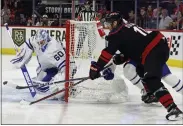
(19, 13)
(169, 18)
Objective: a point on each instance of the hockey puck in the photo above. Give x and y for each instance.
(5, 82)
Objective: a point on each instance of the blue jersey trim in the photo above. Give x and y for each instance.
(60, 65)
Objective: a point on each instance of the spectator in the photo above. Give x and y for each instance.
(12, 15)
(156, 15)
(149, 11)
(5, 14)
(179, 20)
(142, 21)
(29, 22)
(34, 21)
(181, 26)
(165, 20)
(22, 21)
(179, 7)
(16, 21)
(151, 22)
(43, 22)
(38, 21)
(157, 12)
(56, 21)
(131, 18)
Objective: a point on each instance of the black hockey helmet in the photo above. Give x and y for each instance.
(113, 16)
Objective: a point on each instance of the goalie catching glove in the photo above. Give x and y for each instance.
(119, 59)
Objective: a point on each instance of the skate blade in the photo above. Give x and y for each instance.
(176, 118)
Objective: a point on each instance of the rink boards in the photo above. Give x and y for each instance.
(20, 34)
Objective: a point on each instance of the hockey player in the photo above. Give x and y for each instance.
(51, 58)
(131, 74)
(129, 71)
(151, 52)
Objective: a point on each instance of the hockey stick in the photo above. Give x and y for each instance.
(48, 96)
(23, 68)
(33, 102)
(41, 83)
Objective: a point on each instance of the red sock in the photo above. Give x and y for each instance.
(145, 87)
(166, 100)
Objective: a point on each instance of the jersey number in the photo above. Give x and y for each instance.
(140, 30)
(58, 55)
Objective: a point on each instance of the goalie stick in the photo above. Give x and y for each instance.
(23, 68)
(39, 84)
(48, 96)
(86, 78)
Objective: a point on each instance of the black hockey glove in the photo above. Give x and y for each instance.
(94, 71)
(149, 98)
(119, 59)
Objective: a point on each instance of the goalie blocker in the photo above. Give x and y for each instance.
(151, 51)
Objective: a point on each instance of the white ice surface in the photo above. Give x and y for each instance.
(57, 112)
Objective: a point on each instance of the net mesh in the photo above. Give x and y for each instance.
(83, 39)
(84, 46)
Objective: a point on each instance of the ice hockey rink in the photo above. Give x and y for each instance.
(56, 112)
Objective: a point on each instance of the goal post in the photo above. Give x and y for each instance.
(83, 45)
(80, 43)
(67, 61)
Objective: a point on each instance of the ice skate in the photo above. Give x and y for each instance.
(175, 114)
(148, 97)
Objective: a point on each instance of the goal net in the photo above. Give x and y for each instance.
(83, 45)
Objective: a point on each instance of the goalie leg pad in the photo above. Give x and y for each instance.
(50, 73)
(56, 87)
(45, 76)
(52, 88)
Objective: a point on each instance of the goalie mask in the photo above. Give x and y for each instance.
(42, 38)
